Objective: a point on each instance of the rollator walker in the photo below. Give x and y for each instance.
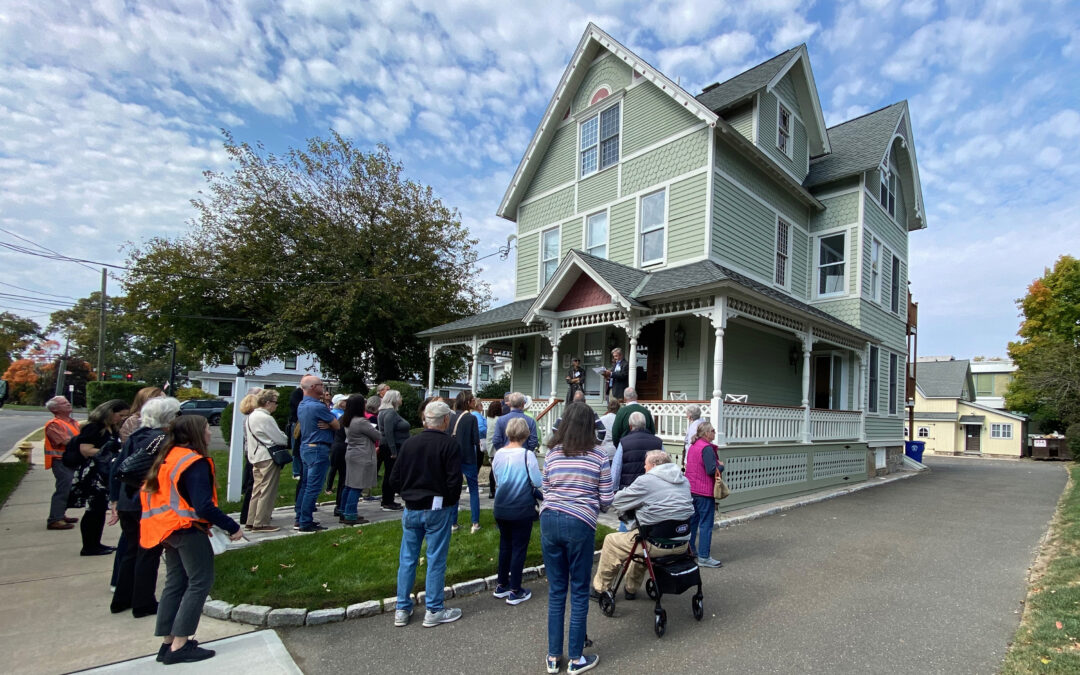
(673, 575)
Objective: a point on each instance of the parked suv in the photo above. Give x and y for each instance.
(210, 409)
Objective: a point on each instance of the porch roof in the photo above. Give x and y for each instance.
(511, 313)
(935, 416)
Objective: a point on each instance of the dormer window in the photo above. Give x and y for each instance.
(887, 195)
(600, 141)
(783, 129)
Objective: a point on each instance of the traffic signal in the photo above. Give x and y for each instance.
(102, 375)
(128, 377)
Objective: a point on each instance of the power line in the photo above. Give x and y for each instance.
(28, 290)
(45, 248)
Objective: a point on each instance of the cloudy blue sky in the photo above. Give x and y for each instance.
(110, 111)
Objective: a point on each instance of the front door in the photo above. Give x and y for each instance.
(972, 432)
(828, 376)
(650, 362)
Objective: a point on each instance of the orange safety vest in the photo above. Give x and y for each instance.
(55, 453)
(166, 511)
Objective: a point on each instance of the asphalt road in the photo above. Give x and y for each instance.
(14, 424)
(925, 575)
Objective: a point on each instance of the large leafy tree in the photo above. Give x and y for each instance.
(327, 249)
(1047, 380)
(16, 334)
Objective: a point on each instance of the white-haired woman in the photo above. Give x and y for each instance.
(136, 579)
(395, 431)
(261, 433)
(693, 419)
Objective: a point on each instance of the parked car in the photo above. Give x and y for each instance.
(210, 409)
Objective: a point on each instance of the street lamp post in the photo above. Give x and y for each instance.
(241, 357)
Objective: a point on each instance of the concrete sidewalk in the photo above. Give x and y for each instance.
(56, 615)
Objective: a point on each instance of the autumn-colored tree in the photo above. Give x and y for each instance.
(1046, 384)
(22, 377)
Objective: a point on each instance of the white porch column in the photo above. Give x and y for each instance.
(555, 331)
(864, 389)
(631, 358)
(474, 375)
(431, 369)
(719, 322)
(808, 344)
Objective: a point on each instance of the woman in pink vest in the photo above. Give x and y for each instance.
(703, 465)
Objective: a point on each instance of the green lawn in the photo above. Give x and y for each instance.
(10, 475)
(341, 567)
(38, 435)
(1048, 640)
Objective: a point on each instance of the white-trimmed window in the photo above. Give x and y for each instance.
(782, 275)
(224, 388)
(653, 223)
(783, 129)
(875, 271)
(599, 141)
(924, 432)
(549, 254)
(831, 265)
(485, 373)
(894, 290)
(1001, 431)
(596, 234)
(872, 385)
(892, 384)
(290, 362)
(887, 194)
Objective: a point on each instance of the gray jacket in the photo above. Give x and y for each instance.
(657, 495)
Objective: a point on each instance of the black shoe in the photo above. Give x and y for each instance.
(161, 652)
(392, 507)
(628, 595)
(116, 609)
(101, 550)
(338, 513)
(140, 612)
(594, 594)
(491, 495)
(189, 653)
(314, 527)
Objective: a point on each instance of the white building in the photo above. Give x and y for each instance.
(218, 380)
(992, 378)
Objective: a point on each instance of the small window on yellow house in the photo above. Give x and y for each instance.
(924, 432)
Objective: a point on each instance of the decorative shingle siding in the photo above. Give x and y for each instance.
(686, 219)
(570, 237)
(786, 89)
(666, 162)
(733, 164)
(684, 365)
(528, 250)
(546, 210)
(609, 71)
(884, 428)
(622, 221)
(839, 210)
(597, 189)
(767, 138)
(756, 363)
(742, 120)
(846, 309)
(650, 116)
(743, 230)
(558, 165)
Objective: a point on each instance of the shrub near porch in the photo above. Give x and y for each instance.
(349, 565)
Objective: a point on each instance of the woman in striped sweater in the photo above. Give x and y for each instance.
(577, 486)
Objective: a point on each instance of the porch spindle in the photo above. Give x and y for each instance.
(808, 343)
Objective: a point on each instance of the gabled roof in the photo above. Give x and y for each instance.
(766, 76)
(857, 145)
(591, 43)
(619, 281)
(942, 379)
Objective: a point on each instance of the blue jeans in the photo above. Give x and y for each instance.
(471, 473)
(316, 465)
(701, 525)
(415, 527)
(567, 543)
(349, 499)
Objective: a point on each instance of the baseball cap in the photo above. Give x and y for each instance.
(338, 398)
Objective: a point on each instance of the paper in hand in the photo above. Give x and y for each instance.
(436, 503)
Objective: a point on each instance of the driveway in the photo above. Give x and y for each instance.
(924, 575)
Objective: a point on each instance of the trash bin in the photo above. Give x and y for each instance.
(914, 449)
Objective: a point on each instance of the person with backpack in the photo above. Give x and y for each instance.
(519, 479)
(136, 580)
(90, 454)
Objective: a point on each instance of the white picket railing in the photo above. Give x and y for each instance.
(752, 423)
(834, 425)
(669, 417)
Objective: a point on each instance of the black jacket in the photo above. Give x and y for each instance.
(467, 436)
(635, 445)
(428, 465)
(127, 496)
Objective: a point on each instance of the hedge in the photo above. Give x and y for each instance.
(100, 392)
(281, 414)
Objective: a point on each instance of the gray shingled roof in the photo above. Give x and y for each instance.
(935, 416)
(972, 419)
(724, 94)
(857, 145)
(515, 311)
(942, 379)
(623, 278)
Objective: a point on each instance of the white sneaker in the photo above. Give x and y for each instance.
(709, 562)
(443, 616)
(475, 528)
(401, 617)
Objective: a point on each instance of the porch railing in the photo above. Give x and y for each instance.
(834, 425)
(757, 423)
(754, 423)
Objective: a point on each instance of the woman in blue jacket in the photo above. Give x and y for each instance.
(517, 476)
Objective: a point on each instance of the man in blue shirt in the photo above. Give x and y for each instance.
(317, 426)
(517, 409)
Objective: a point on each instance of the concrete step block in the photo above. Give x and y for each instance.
(217, 609)
(362, 609)
(250, 614)
(469, 587)
(317, 617)
(286, 616)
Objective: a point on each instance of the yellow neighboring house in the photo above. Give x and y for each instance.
(949, 420)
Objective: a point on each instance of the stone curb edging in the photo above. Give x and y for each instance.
(264, 616)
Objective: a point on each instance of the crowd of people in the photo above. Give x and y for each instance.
(592, 462)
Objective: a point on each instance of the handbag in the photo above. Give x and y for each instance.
(279, 454)
(132, 471)
(720, 489)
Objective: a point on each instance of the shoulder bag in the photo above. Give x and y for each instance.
(720, 489)
(132, 471)
(278, 453)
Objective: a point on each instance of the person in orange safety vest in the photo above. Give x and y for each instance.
(58, 431)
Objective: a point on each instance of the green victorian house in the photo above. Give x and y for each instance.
(743, 255)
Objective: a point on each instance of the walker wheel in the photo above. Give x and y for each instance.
(660, 623)
(607, 603)
(650, 589)
(697, 605)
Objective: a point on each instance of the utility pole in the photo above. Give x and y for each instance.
(172, 370)
(61, 370)
(101, 329)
